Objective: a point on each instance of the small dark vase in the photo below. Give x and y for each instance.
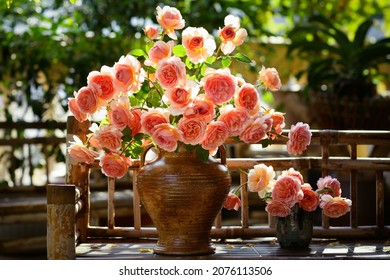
(295, 230)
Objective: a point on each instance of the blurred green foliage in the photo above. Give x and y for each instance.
(48, 47)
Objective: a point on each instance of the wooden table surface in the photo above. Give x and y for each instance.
(266, 248)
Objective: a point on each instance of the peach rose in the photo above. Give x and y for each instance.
(105, 81)
(193, 130)
(234, 118)
(159, 51)
(198, 43)
(270, 78)
(87, 99)
(219, 85)
(216, 134)
(80, 152)
(248, 98)
(292, 172)
(119, 114)
(152, 118)
(287, 189)
(278, 208)
(114, 165)
(232, 202)
(202, 108)
(151, 32)
(310, 199)
(231, 35)
(135, 121)
(170, 19)
(128, 74)
(299, 138)
(278, 122)
(335, 207)
(259, 179)
(171, 72)
(179, 98)
(166, 137)
(75, 110)
(107, 136)
(256, 129)
(329, 185)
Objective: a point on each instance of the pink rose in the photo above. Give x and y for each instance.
(287, 189)
(216, 134)
(231, 35)
(270, 78)
(81, 153)
(152, 118)
(202, 108)
(310, 199)
(219, 85)
(114, 165)
(105, 81)
(159, 51)
(171, 72)
(335, 207)
(299, 138)
(87, 99)
(151, 32)
(108, 137)
(119, 114)
(329, 185)
(234, 118)
(278, 208)
(166, 137)
(248, 98)
(179, 98)
(193, 130)
(75, 110)
(256, 129)
(170, 19)
(198, 43)
(260, 178)
(128, 74)
(232, 202)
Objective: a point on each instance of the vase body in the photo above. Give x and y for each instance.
(183, 195)
(295, 230)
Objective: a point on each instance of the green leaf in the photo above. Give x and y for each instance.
(226, 61)
(179, 51)
(202, 154)
(189, 64)
(138, 53)
(242, 58)
(210, 60)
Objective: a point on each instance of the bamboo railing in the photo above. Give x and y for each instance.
(78, 182)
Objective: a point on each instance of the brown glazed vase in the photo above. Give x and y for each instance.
(295, 230)
(183, 195)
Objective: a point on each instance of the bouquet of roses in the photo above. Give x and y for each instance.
(175, 92)
(281, 193)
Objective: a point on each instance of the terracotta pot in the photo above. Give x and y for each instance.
(295, 230)
(183, 195)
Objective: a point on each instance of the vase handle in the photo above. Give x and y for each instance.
(222, 152)
(143, 155)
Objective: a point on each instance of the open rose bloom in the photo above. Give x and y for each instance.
(179, 88)
(282, 192)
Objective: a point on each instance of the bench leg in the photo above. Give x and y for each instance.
(61, 222)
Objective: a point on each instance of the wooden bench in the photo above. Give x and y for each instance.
(70, 234)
